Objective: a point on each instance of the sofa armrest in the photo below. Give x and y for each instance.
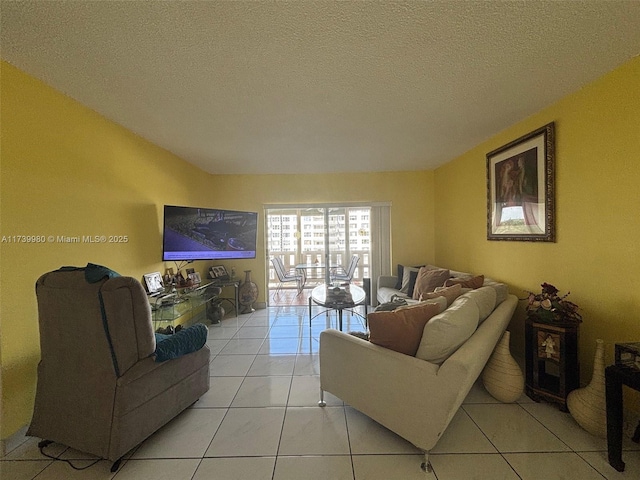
(388, 386)
(387, 281)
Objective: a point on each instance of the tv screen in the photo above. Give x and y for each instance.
(208, 234)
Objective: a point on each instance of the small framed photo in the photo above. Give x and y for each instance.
(195, 277)
(520, 188)
(153, 282)
(219, 271)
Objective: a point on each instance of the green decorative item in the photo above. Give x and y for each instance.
(248, 293)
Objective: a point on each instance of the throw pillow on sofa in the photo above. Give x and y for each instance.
(449, 293)
(409, 280)
(401, 330)
(400, 275)
(466, 282)
(427, 281)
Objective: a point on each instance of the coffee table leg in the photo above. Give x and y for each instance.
(340, 318)
(309, 312)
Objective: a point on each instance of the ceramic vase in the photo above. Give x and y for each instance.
(588, 405)
(502, 376)
(248, 293)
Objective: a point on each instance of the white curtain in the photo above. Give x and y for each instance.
(380, 245)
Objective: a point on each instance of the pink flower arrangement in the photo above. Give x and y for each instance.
(549, 307)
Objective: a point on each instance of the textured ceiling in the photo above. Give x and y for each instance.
(306, 87)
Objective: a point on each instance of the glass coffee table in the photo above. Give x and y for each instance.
(338, 298)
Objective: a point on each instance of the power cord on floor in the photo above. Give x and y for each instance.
(44, 443)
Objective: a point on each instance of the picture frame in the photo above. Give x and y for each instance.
(218, 271)
(153, 282)
(521, 188)
(195, 277)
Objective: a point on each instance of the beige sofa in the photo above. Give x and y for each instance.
(100, 389)
(386, 286)
(416, 397)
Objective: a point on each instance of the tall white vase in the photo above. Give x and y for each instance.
(588, 405)
(502, 376)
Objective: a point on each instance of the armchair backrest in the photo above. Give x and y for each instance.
(103, 327)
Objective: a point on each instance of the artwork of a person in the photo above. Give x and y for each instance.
(549, 346)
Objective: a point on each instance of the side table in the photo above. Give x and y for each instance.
(552, 367)
(229, 283)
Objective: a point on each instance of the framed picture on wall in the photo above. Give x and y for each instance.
(520, 188)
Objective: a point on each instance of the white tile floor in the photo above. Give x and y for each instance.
(260, 420)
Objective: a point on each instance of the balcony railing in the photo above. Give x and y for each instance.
(316, 275)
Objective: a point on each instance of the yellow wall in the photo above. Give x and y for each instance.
(412, 214)
(596, 255)
(68, 171)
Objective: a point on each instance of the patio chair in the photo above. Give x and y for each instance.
(285, 276)
(341, 274)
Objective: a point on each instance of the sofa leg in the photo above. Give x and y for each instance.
(426, 465)
(322, 403)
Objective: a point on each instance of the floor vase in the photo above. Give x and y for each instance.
(502, 376)
(248, 293)
(587, 405)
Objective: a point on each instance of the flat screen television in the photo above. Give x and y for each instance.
(208, 234)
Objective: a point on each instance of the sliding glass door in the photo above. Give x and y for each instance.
(319, 235)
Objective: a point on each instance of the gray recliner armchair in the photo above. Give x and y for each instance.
(99, 388)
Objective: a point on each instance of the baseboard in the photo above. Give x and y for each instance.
(14, 441)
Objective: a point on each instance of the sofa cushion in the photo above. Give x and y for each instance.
(409, 276)
(466, 282)
(485, 298)
(428, 279)
(401, 330)
(440, 301)
(449, 293)
(444, 333)
(400, 275)
(502, 291)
